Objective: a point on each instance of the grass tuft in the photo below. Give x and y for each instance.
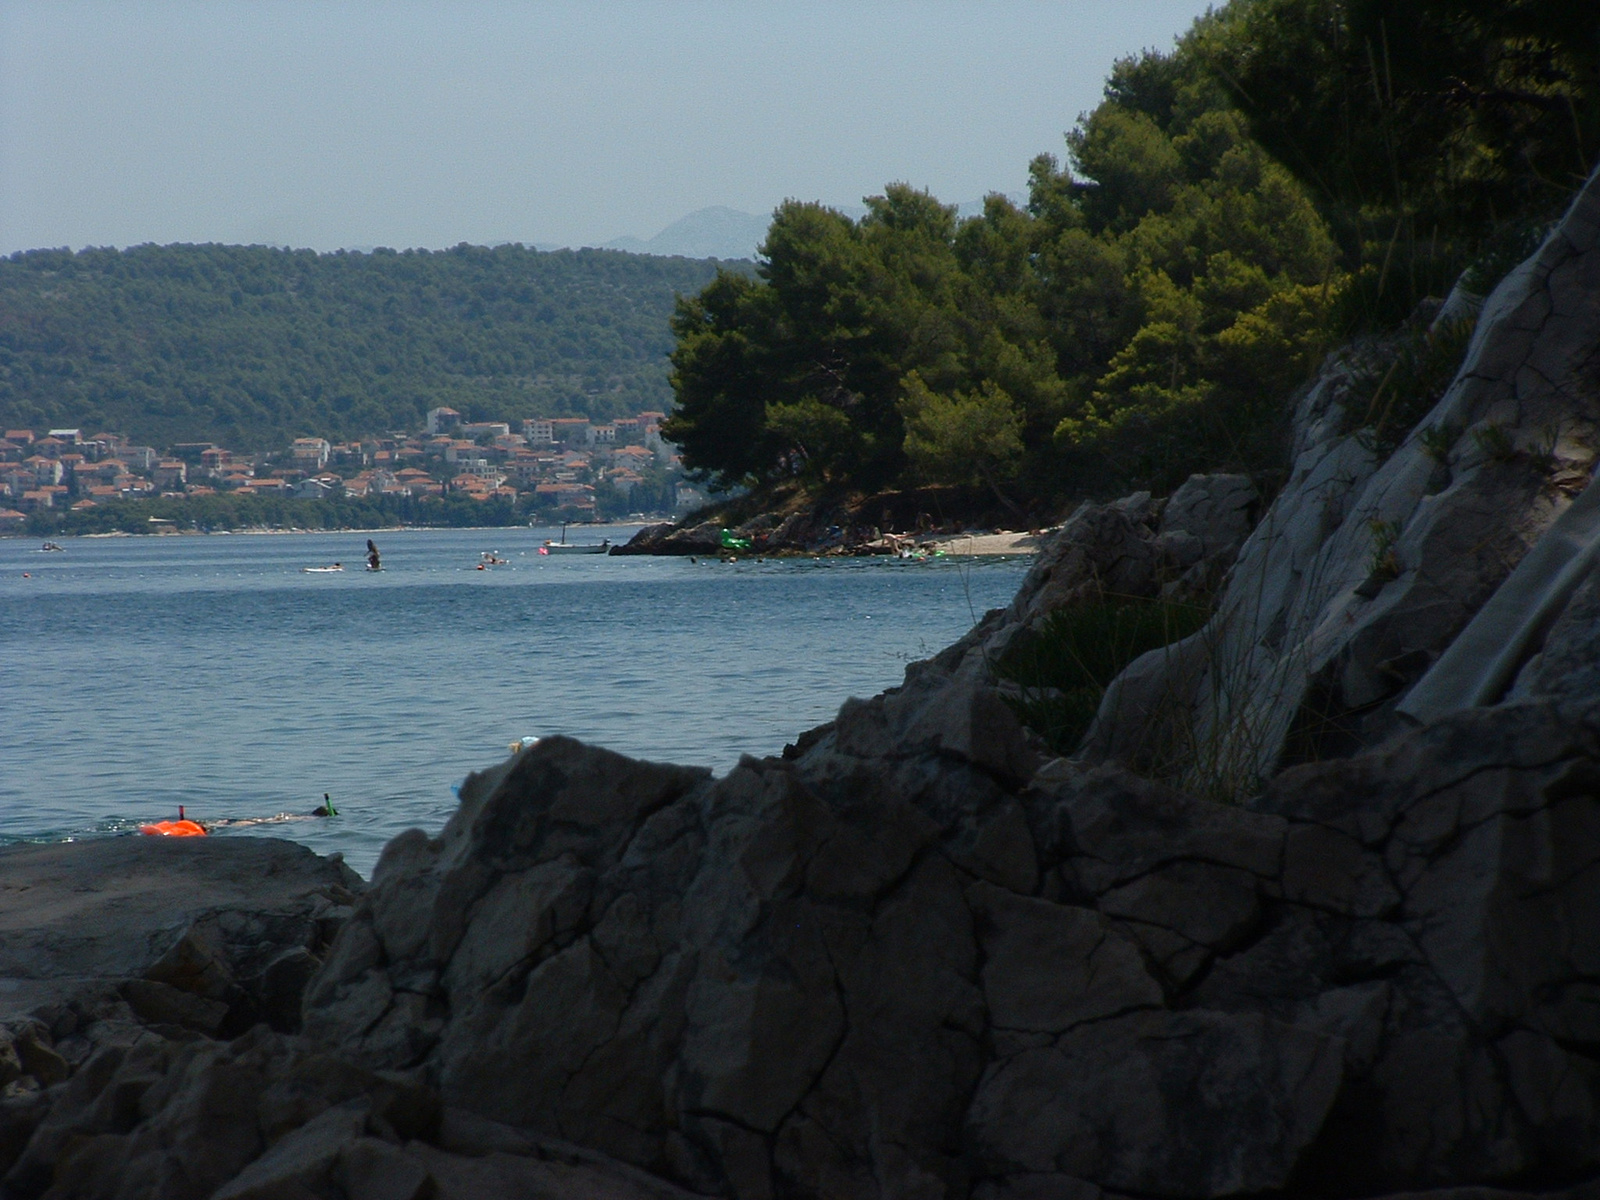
(1063, 667)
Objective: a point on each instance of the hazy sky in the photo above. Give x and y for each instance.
(387, 123)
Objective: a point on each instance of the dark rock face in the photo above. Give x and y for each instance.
(210, 935)
(907, 961)
(669, 539)
(119, 943)
(269, 1116)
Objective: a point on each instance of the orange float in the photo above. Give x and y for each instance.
(182, 827)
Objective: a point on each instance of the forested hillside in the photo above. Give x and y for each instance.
(1296, 173)
(251, 346)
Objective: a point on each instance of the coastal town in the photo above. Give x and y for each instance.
(545, 465)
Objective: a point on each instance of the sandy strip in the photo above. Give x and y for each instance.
(990, 543)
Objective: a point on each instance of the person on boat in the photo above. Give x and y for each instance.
(372, 556)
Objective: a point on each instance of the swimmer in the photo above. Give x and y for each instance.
(325, 809)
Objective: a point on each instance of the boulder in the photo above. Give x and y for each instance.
(102, 938)
(1217, 511)
(116, 945)
(669, 539)
(271, 1116)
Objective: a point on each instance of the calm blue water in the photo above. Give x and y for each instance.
(138, 674)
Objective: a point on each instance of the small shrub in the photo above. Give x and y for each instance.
(1438, 440)
(1496, 442)
(1064, 667)
(1384, 564)
(1508, 247)
(1402, 386)
(1543, 452)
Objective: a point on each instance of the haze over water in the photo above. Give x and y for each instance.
(212, 672)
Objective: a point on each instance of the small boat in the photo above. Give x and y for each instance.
(566, 547)
(49, 546)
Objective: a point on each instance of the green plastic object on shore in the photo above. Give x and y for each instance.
(730, 541)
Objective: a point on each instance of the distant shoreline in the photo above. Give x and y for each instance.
(252, 530)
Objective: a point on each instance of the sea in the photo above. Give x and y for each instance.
(215, 672)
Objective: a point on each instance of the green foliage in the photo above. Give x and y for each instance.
(974, 434)
(1062, 669)
(1420, 127)
(1495, 442)
(1142, 318)
(1383, 563)
(250, 346)
(799, 372)
(1404, 379)
(1296, 170)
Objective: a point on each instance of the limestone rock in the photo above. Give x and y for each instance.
(1051, 967)
(1218, 511)
(1312, 645)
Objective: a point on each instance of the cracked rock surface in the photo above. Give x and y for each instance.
(894, 964)
(1365, 569)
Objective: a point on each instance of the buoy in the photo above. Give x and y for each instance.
(182, 827)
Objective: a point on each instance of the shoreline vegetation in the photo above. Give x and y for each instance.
(1294, 179)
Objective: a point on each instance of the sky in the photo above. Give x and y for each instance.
(321, 124)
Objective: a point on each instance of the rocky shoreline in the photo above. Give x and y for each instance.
(1343, 945)
(823, 532)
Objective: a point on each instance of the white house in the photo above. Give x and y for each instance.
(442, 420)
(311, 452)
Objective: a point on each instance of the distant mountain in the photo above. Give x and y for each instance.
(715, 232)
(720, 232)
